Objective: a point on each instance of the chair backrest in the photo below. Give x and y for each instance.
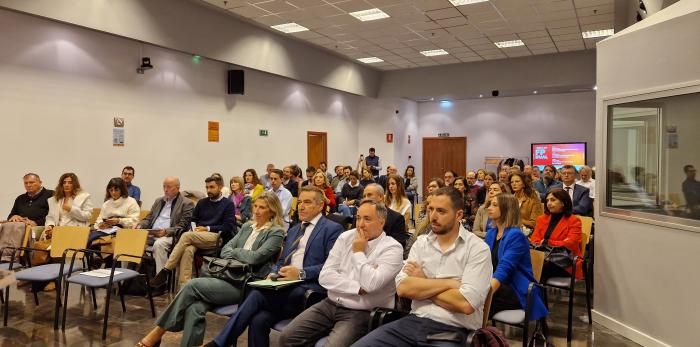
(95, 214)
(27, 237)
(64, 237)
(537, 259)
(293, 208)
(487, 307)
(416, 210)
(130, 241)
(586, 227)
(143, 214)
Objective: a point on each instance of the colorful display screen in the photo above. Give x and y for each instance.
(559, 154)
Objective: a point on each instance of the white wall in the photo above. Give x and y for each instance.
(646, 276)
(507, 126)
(62, 85)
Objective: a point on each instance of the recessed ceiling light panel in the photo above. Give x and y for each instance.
(370, 60)
(597, 33)
(434, 52)
(466, 2)
(371, 14)
(508, 44)
(289, 28)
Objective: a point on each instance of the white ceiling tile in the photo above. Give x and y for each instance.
(422, 26)
(353, 5)
(533, 34)
(480, 7)
(306, 3)
(324, 10)
(249, 11)
(574, 36)
(561, 23)
(276, 6)
(452, 22)
(443, 13)
(565, 30)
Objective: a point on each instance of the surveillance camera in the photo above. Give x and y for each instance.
(495, 93)
(145, 65)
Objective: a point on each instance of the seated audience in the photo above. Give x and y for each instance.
(224, 190)
(310, 171)
(384, 179)
(447, 275)
(434, 184)
(169, 217)
(306, 248)
(241, 200)
(359, 276)
(580, 195)
(350, 196)
(213, 219)
(395, 225)
(31, 207)
(480, 174)
(258, 243)
(289, 181)
(503, 176)
(337, 178)
(411, 183)
(488, 180)
(282, 193)
(449, 177)
(558, 227)
(367, 177)
(344, 178)
(320, 181)
(128, 174)
(69, 206)
(324, 168)
(253, 187)
(530, 205)
(472, 186)
(586, 180)
(527, 170)
(396, 198)
(482, 216)
(510, 257)
(535, 176)
(119, 210)
(469, 204)
(265, 179)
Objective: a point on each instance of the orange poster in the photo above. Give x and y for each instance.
(213, 131)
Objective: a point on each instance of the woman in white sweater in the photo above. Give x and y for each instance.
(119, 209)
(69, 206)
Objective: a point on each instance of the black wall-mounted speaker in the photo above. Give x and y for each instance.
(236, 82)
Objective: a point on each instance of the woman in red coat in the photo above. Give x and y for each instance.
(558, 228)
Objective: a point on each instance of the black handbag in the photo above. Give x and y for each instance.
(229, 270)
(559, 256)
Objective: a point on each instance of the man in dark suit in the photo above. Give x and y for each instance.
(383, 180)
(305, 251)
(170, 215)
(579, 194)
(395, 225)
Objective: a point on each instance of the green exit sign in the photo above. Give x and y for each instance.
(263, 132)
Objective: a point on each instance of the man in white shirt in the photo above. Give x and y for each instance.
(282, 193)
(359, 276)
(586, 180)
(447, 275)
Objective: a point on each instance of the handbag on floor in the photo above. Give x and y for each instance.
(39, 257)
(229, 270)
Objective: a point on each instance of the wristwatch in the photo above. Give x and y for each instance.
(302, 274)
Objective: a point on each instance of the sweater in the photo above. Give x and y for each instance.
(219, 216)
(35, 208)
(126, 208)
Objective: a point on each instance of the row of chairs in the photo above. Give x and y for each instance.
(68, 244)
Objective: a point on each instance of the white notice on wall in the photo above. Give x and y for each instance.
(118, 137)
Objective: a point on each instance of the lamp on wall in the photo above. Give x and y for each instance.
(145, 65)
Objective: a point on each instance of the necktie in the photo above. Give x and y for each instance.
(568, 191)
(295, 244)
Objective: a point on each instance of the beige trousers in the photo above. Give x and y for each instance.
(183, 253)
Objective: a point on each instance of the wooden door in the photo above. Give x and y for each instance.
(441, 154)
(316, 148)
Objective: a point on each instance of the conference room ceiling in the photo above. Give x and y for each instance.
(467, 33)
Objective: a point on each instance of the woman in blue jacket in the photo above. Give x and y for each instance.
(510, 255)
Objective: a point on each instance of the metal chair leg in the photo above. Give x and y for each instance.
(526, 333)
(150, 296)
(94, 298)
(571, 314)
(36, 298)
(121, 296)
(588, 299)
(104, 324)
(58, 303)
(6, 307)
(65, 307)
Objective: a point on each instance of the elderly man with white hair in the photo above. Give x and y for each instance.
(587, 180)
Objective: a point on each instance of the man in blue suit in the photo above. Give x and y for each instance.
(580, 195)
(547, 181)
(305, 251)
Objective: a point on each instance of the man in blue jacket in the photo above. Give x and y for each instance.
(547, 181)
(305, 251)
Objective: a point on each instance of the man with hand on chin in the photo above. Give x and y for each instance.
(305, 251)
(447, 275)
(359, 276)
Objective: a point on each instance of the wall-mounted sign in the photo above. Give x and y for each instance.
(263, 132)
(389, 138)
(443, 134)
(213, 131)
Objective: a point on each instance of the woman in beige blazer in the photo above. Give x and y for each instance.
(529, 200)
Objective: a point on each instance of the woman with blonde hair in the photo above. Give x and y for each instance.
(241, 201)
(320, 181)
(257, 243)
(482, 216)
(396, 199)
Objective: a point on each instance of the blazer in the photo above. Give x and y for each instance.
(263, 252)
(530, 209)
(480, 222)
(317, 249)
(515, 267)
(395, 226)
(567, 234)
(583, 205)
(80, 212)
(180, 215)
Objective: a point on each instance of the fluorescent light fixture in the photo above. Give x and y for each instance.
(512, 43)
(434, 52)
(371, 14)
(370, 60)
(597, 33)
(466, 2)
(289, 28)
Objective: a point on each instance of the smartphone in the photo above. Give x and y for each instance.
(194, 226)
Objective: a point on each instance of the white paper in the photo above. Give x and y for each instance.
(109, 231)
(100, 273)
